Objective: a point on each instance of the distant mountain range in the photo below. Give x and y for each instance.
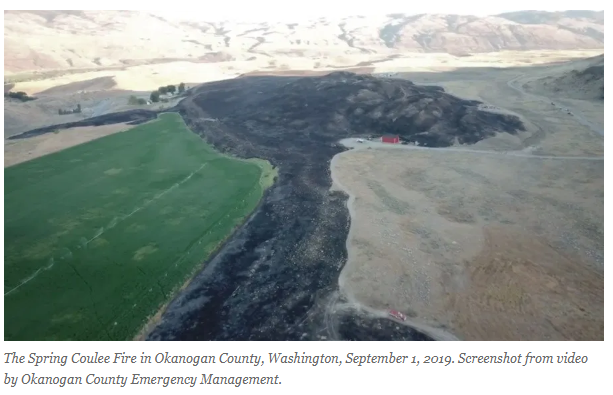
(45, 40)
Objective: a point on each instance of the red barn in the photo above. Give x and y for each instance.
(390, 139)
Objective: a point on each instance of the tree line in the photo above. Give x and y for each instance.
(22, 96)
(162, 90)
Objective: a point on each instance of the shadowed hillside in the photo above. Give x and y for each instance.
(583, 79)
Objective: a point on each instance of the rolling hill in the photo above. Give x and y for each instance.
(51, 40)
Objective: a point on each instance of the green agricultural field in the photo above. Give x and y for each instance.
(99, 236)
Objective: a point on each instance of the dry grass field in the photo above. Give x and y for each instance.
(502, 244)
(17, 151)
(491, 248)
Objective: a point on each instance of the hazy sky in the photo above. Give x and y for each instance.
(292, 10)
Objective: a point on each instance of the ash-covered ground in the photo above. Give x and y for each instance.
(131, 117)
(273, 279)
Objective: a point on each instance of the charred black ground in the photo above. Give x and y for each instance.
(342, 104)
(131, 117)
(358, 328)
(277, 276)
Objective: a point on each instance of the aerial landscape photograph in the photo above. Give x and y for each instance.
(366, 174)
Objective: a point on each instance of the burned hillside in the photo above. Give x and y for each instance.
(344, 104)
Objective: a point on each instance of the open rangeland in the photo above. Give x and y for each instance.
(100, 235)
(486, 246)
(501, 240)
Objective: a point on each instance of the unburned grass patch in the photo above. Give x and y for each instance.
(269, 172)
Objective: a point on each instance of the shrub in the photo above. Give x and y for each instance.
(22, 96)
(73, 111)
(136, 101)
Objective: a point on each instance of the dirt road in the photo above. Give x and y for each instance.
(351, 143)
(575, 113)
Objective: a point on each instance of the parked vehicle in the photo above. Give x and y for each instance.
(397, 315)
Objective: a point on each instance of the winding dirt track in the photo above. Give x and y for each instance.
(577, 114)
